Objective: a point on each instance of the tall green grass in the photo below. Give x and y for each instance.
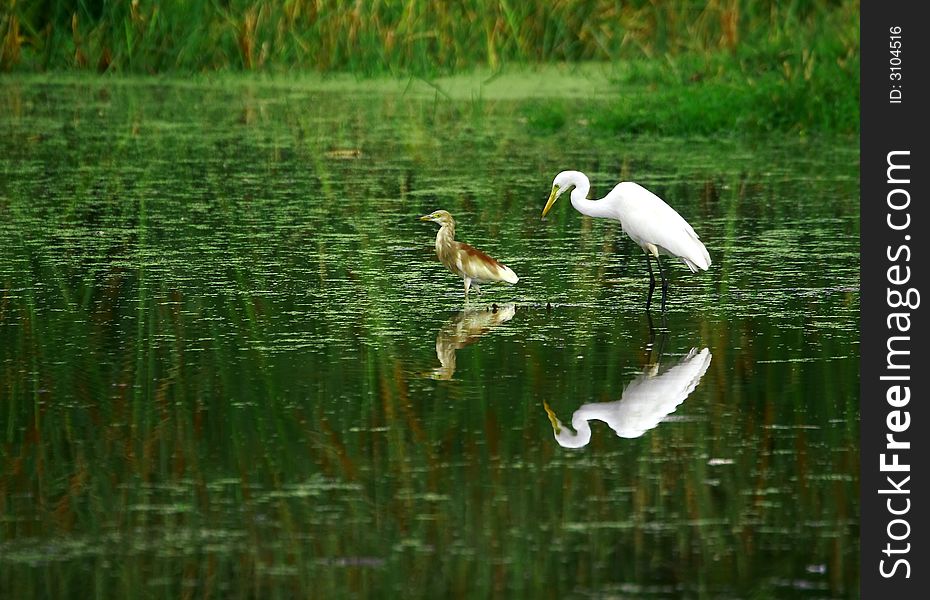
(389, 36)
(693, 67)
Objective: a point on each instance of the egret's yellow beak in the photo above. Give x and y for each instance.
(426, 218)
(552, 197)
(552, 418)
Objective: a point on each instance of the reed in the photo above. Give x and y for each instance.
(391, 36)
(695, 67)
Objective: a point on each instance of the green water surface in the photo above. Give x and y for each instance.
(231, 366)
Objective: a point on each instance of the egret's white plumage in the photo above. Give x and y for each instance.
(649, 221)
(645, 402)
(472, 265)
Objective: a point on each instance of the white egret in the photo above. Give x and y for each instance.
(646, 218)
(645, 402)
(463, 329)
(469, 263)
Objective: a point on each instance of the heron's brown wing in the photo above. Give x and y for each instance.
(479, 266)
(475, 255)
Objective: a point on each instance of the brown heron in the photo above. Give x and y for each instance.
(465, 328)
(469, 263)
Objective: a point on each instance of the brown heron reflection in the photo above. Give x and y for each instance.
(645, 402)
(463, 329)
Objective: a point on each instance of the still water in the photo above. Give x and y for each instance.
(231, 366)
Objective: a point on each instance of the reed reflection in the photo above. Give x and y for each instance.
(645, 402)
(464, 328)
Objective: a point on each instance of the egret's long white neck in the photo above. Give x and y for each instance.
(573, 439)
(592, 208)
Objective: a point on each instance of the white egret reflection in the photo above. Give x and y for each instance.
(645, 402)
(465, 328)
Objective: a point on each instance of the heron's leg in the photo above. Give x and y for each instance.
(467, 287)
(664, 282)
(652, 282)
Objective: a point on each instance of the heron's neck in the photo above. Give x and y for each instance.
(592, 208)
(445, 237)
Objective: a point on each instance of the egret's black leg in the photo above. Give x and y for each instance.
(652, 337)
(664, 282)
(651, 348)
(662, 338)
(652, 283)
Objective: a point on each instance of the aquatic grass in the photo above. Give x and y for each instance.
(800, 87)
(170, 431)
(414, 36)
(689, 67)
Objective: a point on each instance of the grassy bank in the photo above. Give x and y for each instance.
(709, 65)
(695, 95)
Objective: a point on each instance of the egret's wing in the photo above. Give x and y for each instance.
(648, 399)
(647, 218)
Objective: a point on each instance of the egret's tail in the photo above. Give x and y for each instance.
(698, 259)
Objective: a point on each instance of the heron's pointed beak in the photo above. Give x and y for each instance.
(552, 198)
(556, 426)
(426, 218)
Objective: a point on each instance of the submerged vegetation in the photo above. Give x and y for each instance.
(221, 356)
(699, 66)
(225, 361)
